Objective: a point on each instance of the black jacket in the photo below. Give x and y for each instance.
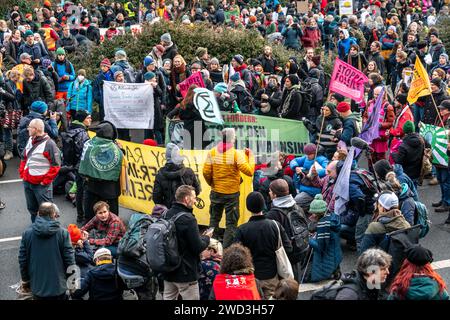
(430, 115)
(80, 136)
(358, 290)
(102, 283)
(291, 107)
(275, 97)
(37, 89)
(410, 155)
(379, 60)
(167, 181)
(260, 235)
(264, 186)
(190, 245)
(170, 53)
(69, 44)
(268, 65)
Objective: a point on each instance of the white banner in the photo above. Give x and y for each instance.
(206, 104)
(129, 105)
(345, 7)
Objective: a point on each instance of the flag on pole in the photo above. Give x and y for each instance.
(342, 185)
(420, 84)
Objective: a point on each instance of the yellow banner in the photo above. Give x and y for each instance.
(420, 84)
(143, 164)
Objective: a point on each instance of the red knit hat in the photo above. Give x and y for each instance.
(106, 62)
(150, 142)
(343, 107)
(74, 232)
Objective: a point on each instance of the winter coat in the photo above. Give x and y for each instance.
(327, 254)
(102, 283)
(69, 44)
(34, 51)
(379, 60)
(123, 65)
(12, 49)
(269, 64)
(190, 245)
(45, 255)
(311, 37)
(37, 89)
(291, 106)
(64, 68)
(97, 89)
(10, 96)
(79, 96)
(397, 128)
(170, 52)
(281, 207)
(351, 127)
(265, 182)
(84, 258)
(359, 61)
(317, 96)
(430, 114)
(435, 51)
(386, 222)
(387, 42)
(80, 136)
(359, 290)
(169, 178)
(246, 76)
(386, 120)
(403, 178)
(291, 37)
(306, 164)
(407, 204)
(422, 287)
(223, 167)
(344, 47)
(275, 97)
(260, 235)
(332, 122)
(410, 154)
(50, 127)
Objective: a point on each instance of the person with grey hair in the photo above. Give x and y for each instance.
(43, 242)
(222, 171)
(39, 167)
(364, 283)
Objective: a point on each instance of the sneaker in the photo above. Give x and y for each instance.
(442, 209)
(8, 155)
(433, 182)
(436, 204)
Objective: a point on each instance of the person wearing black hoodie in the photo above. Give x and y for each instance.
(291, 105)
(410, 152)
(173, 175)
(317, 93)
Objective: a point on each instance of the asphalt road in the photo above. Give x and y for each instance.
(14, 219)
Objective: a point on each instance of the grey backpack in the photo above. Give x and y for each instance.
(162, 245)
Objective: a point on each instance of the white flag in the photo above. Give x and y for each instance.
(206, 103)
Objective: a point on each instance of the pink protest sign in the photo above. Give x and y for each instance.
(195, 78)
(348, 81)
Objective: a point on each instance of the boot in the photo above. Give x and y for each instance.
(433, 182)
(442, 208)
(436, 204)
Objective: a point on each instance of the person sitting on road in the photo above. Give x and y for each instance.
(105, 229)
(83, 251)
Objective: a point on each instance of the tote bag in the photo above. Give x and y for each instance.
(284, 266)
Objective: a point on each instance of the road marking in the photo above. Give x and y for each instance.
(10, 181)
(10, 239)
(306, 287)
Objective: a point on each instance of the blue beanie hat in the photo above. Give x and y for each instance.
(39, 106)
(235, 77)
(149, 75)
(148, 61)
(221, 87)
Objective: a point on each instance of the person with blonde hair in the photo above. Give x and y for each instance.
(211, 258)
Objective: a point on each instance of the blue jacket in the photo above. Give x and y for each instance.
(84, 258)
(292, 37)
(349, 128)
(34, 51)
(327, 254)
(97, 89)
(344, 46)
(45, 255)
(50, 127)
(80, 96)
(62, 69)
(102, 283)
(407, 204)
(403, 178)
(305, 164)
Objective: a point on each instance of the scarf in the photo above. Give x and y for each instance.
(285, 106)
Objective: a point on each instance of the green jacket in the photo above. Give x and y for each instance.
(422, 288)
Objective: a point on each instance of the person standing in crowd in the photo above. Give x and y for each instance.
(263, 236)
(237, 265)
(67, 41)
(33, 49)
(46, 256)
(36, 87)
(356, 58)
(344, 43)
(351, 124)
(178, 74)
(66, 74)
(376, 56)
(416, 279)
(269, 63)
(173, 175)
(291, 106)
(170, 48)
(105, 74)
(222, 171)
(184, 279)
(241, 68)
(39, 167)
(105, 229)
(79, 96)
(100, 185)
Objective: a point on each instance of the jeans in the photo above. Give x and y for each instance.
(8, 139)
(35, 195)
(229, 202)
(360, 229)
(418, 113)
(443, 176)
(187, 290)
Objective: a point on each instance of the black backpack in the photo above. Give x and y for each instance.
(69, 147)
(369, 180)
(299, 227)
(331, 290)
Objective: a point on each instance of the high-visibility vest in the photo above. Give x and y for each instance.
(49, 41)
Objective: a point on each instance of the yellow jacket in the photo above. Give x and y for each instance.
(222, 170)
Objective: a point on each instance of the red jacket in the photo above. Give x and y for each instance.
(311, 37)
(235, 287)
(41, 161)
(405, 115)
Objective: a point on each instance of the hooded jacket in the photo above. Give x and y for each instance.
(223, 167)
(407, 204)
(351, 127)
(37, 89)
(64, 68)
(292, 37)
(306, 164)
(167, 181)
(45, 254)
(345, 44)
(291, 106)
(331, 123)
(311, 37)
(80, 96)
(410, 154)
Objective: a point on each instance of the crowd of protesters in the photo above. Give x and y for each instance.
(47, 108)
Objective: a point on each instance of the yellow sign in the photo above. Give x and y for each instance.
(420, 84)
(143, 164)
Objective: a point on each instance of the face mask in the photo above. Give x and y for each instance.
(272, 85)
(80, 78)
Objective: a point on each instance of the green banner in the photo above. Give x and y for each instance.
(261, 134)
(437, 138)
